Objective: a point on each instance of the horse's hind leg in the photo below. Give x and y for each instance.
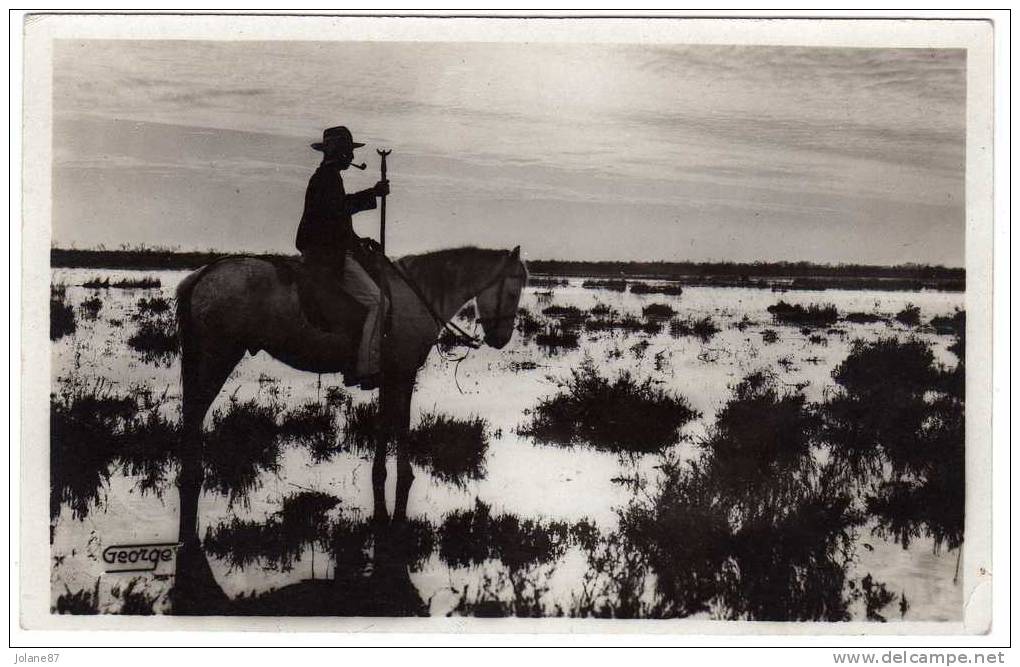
(203, 373)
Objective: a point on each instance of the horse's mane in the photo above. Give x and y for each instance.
(437, 271)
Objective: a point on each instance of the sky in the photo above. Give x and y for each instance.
(572, 151)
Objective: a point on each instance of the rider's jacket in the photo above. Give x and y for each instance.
(325, 230)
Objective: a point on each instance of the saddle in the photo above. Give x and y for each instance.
(348, 315)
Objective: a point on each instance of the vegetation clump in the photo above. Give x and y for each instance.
(626, 324)
(93, 429)
(62, 321)
(617, 415)
(796, 314)
(658, 311)
(242, 444)
(547, 282)
(90, 307)
(753, 529)
(156, 340)
(897, 424)
(156, 305)
(451, 449)
(910, 315)
(471, 537)
(555, 337)
(280, 540)
(612, 285)
(527, 324)
(124, 283)
(315, 425)
(568, 317)
(669, 289)
(864, 318)
(703, 328)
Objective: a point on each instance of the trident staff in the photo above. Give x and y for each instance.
(382, 203)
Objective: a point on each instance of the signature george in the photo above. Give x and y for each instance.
(139, 557)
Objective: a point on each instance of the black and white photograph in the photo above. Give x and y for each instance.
(475, 320)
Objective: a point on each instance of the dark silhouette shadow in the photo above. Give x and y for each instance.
(372, 561)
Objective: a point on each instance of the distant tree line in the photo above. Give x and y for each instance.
(953, 278)
(668, 270)
(146, 259)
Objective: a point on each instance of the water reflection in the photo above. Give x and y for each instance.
(372, 558)
(756, 529)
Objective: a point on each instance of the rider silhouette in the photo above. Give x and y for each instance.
(326, 240)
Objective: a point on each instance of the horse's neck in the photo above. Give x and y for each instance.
(447, 287)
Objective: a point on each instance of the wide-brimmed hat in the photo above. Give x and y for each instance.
(338, 134)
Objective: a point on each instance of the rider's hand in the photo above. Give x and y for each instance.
(382, 188)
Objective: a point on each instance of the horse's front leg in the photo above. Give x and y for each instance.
(403, 390)
(379, 463)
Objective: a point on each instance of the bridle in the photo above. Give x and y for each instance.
(500, 314)
(462, 337)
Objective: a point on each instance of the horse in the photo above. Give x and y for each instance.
(247, 304)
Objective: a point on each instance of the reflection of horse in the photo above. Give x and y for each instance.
(385, 590)
(246, 304)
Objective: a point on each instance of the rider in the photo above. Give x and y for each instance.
(326, 240)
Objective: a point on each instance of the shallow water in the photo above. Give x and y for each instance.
(522, 478)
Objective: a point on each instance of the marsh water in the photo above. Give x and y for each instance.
(519, 477)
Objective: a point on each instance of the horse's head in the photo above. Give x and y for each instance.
(498, 301)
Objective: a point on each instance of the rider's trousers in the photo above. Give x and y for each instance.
(363, 289)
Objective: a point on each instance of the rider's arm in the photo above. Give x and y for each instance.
(359, 201)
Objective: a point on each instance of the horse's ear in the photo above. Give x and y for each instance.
(516, 252)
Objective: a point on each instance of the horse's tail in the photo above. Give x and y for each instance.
(184, 333)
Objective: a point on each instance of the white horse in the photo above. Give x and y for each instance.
(246, 304)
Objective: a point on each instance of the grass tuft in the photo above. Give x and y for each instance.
(612, 285)
(910, 315)
(62, 321)
(703, 328)
(669, 289)
(242, 444)
(452, 449)
(813, 315)
(616, 415)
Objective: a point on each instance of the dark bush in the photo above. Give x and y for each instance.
(474, 536)
(910, 315)
(897, 424)
(156, 340)
(658, 310)
(752, 529)
(316, 426)
(626, 324)
(864, 318)
(86, 423)
(670, 289)
(703, 328)
(543, 281)
(90, 307)
(156, 305)
(62, 320)
(242, 444)
(813, 315)
(527, 325)
(621, 414)
(556, 337)
(612, 285)
(451, 449)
